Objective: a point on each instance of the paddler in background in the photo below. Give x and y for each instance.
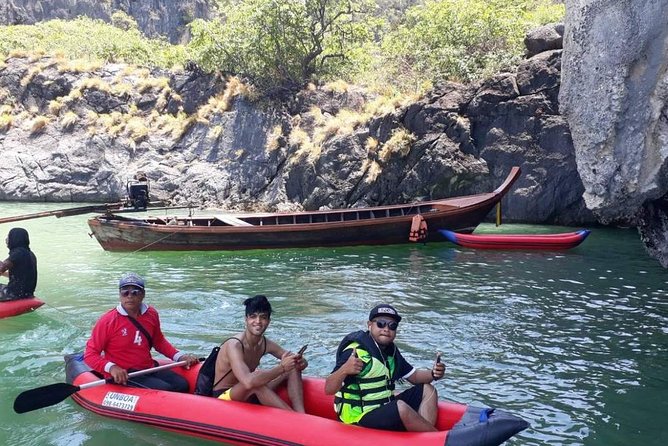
(20, 267)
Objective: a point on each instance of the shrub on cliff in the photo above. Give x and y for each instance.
(85, 38)
(461, 40)
(282, 43)
(291, 42)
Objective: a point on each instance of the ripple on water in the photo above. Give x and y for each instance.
(574, 342)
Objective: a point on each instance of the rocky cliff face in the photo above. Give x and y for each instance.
(166, 18)
(81, 135)
(615, 98)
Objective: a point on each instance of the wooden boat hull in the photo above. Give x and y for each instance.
(342, 227)
(562, 241)
(242, 423)
(15, 307)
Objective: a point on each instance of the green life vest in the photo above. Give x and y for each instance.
(368, 390)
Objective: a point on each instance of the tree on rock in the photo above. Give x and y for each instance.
(282, 42)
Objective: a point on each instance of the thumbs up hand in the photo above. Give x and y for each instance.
(354, 364)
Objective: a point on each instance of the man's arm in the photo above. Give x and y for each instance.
(420, 376)
(278, 352)
(95, 346)
(4, 267)
(160, 343)
(93, 353)
(274, 349)
(424, 376)
(252, 380)
(352, 366)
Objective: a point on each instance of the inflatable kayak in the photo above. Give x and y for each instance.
(10, 308)
(243, 423)
(565, 240)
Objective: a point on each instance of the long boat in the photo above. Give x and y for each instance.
(566, 240)
(240, 423)
(9, 308)
(341, 227)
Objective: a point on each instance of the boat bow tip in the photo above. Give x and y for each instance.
(485, 427)
(451, 236)
(584, 233)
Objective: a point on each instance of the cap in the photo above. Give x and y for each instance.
(131, 279)
(384, 310)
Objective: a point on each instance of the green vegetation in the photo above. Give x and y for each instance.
(283, 43)
(461, 40)
(408, 49)
(90, 39)
(405, 46)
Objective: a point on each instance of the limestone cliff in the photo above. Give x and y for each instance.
(79, 134)
(615, 97)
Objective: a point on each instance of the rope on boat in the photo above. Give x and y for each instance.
(143, 247)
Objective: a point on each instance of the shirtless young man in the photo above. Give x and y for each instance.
(237, 376)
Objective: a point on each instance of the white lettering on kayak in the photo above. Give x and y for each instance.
(120, 400)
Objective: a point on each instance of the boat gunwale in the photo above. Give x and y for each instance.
(142, 224)
(152, 414)
(186, 427)
(482, 200)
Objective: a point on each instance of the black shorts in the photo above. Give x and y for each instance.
(387, 417)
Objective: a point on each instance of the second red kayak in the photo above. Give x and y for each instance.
(565, 240)
(19, 306)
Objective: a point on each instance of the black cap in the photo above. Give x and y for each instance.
(384, 310)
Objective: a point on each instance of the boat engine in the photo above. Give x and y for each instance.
(138, 192)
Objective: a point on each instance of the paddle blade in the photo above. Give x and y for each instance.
(43, 397)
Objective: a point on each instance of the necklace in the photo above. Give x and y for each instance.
(387, 370)
(384, 358)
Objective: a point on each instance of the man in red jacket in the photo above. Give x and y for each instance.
(122, 339)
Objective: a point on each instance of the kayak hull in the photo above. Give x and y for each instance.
(243, 423)
(15, 307)
(562, 241)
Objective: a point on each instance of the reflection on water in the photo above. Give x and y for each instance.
(573, 341)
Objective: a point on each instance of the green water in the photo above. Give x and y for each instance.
(575, 342)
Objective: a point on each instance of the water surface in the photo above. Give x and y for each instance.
(575, 342)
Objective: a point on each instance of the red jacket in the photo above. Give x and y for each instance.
(116, 340)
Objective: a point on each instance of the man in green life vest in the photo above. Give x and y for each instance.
(368, 363)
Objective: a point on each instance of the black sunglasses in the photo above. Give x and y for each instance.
(133, 293)
(391, 325)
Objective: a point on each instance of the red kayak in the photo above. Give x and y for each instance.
(10, 308)
(566, 240)
(239, 423)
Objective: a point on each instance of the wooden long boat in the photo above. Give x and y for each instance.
(240, 423)
(566, 240)
(341, 227)
(9, 308)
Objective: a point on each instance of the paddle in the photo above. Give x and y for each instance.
(55, 393)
